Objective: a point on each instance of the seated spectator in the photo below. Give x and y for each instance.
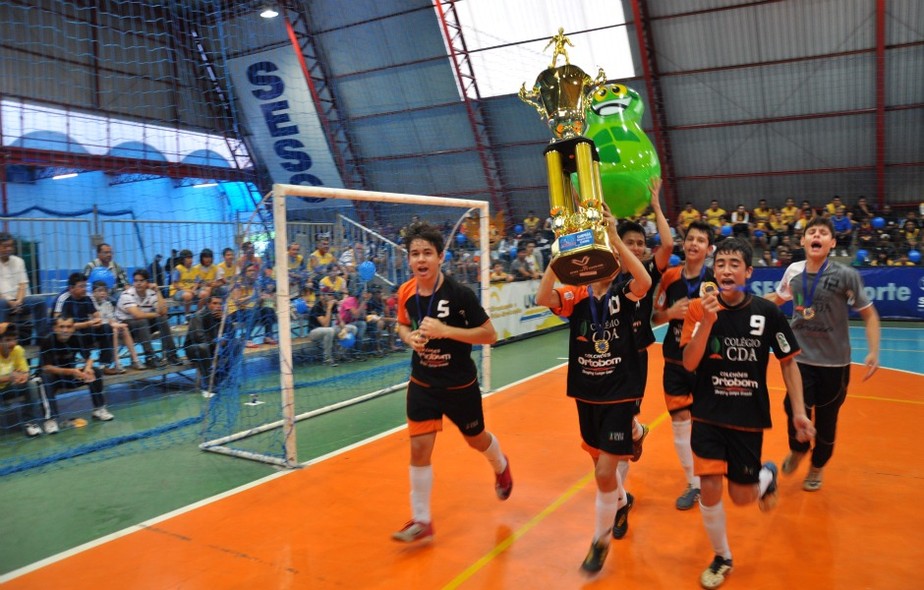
(383, 326)
(322, 257)
(266, 290)
(142, 307)
(89, 326)
(103, 302)
(15, 297)
(861, 211)
(225, 273)
(104, 260)
(766, 259)
(843, 231)
(353, 313)
(686, 217)
(534, 258)
(902, 260)
(499, 275)
(159, 275)
(245, 309)
(14, 378)
(334, 280)
(911, 234)
(60, 370)
(741, 223)
(206, 273)
(761, 214)
(519, 268)
(202, 340)
(298, 270)
(531, 223)
(249, 258)
(352, 257)
(867, 235)
(715, 215)
(783, 256)
(184, 282)
(789, 213)
(831, 207)
(322, 322)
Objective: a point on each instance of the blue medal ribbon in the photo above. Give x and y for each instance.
(693, 287)
(600, 343)
(809, 296)
(421, 316)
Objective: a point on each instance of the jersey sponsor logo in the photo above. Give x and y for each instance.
(733, 383)
(598, 361)
(783, 343)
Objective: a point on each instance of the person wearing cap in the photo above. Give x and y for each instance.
(183, 281)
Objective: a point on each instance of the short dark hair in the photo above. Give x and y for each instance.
(226, 250)
(630, 226)
(426, 232)
(140, 272)
(5, 237)
(100, 246)
(76, 277)
(206, 252)
(735, 246)
(819, 220)
(703, 227)
(98, 284)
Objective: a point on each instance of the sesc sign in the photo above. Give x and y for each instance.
(286, 132)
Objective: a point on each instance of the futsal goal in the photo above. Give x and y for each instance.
(261, 397)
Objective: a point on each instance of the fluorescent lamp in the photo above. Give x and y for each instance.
(205, 185)
(63, 176)
(269, 11)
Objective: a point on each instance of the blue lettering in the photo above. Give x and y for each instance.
(273, 121)
(275, 83)
(310, 180)
(303, 160)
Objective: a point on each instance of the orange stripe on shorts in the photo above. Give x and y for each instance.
(709, 466)
(678, 402)
(425, 427)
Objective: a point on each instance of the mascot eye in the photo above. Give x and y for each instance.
(601, 92)
(620, 90)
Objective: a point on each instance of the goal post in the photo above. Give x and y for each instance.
(232, 429)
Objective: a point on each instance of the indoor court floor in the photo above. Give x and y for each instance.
(328, 525)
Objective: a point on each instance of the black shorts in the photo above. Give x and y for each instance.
(607, 427)
(426, 407)
(823, 386)
(678, 387)
(643, 369)
(725, 451)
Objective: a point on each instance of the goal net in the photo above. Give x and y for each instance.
(341, 368)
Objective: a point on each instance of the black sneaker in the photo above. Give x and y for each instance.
(593, 563)
(621, 522)
(155, 363)
(716, 573)
(176, 361)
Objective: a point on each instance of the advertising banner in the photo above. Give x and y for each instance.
(514, 312)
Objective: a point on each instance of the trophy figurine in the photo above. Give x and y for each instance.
(581, 253)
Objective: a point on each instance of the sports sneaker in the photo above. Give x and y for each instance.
(207, 394)
(770, 496)
(596, 555)
(138, 367)
(32, 430)
(791, 462)
(414, 531)
(812, 481)
(503, 482)
(688, 498)
(621, 522)
(102, 414)
(51, 426)
(637, 444)
(716, 573)
(176, 361)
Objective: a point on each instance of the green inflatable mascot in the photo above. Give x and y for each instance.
(628, 160)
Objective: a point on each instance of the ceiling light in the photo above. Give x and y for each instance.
(269, 11)
(63, 176)
(205, 185)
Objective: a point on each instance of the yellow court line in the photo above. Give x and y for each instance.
(546, 512)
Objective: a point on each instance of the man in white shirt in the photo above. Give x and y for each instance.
(15, 297)
(143, 308)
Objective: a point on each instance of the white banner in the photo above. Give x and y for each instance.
(514, 312)
(287, 133)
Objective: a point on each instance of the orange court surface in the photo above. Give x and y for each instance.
(328, 525)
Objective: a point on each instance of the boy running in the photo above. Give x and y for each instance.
(823, 291)
(727, 337)
(679, 286)
(604, 377)
(441, 320)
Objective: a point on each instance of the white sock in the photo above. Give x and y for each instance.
(421, 484)
(682, 432)
(763, 480)
(622, 469)
(714, 521)
(637, 429)
(495, 456)
(606, 506)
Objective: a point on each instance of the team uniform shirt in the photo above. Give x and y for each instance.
(825, 339)
(445, 363)
(129, 298)
(205, 274)
(672, 288)
(715, 217)
(594, 376)
(788, 215)
(641, 324)
(688, 217)
(318, 259)
(731, 379)
(183, 279)
(15, 362)
(226, 272)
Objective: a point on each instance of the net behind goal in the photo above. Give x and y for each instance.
(258, 393)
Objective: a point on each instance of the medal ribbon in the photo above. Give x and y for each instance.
(808, 296)
(603, 313)
(693, 287)
(421, 316)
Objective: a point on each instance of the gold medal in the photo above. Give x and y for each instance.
(707, 288)
(601, 346)
(808, 313)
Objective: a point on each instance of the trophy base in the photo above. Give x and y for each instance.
(577, 259)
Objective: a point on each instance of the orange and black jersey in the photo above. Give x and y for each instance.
(731, 379)
(672, 288)
(445, 363)
(602, 354)
(641, 324)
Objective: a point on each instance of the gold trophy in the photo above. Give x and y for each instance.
(581, 253)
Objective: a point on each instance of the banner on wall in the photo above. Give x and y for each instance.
(286, 130)
(897, 292)
(514, 312)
